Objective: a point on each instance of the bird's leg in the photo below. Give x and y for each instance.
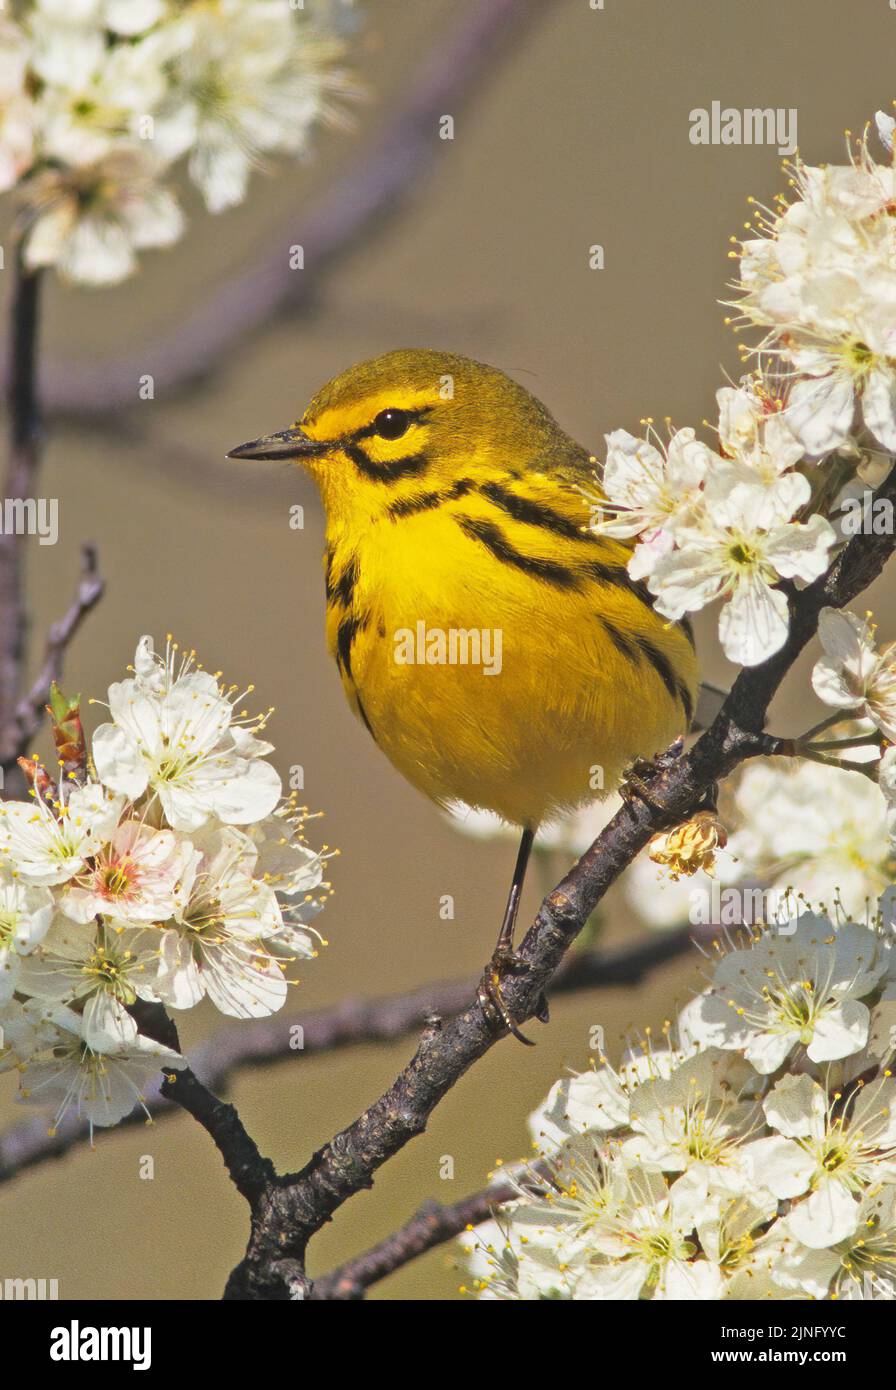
(504, 959)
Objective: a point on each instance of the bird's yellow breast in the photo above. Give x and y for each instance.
(498, 654)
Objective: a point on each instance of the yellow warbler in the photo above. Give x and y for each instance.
(496, 650)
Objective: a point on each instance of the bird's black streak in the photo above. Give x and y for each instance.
(497, 543)
(666, 674)
(618, 575)
(348, 631)
(622, 644)
(532, 513)
(344, 587)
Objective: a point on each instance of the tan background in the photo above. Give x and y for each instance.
(580, 137)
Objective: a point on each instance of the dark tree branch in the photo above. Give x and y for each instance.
(350, 1023)
(250, 1173)
(296, 1205)
(375, 188)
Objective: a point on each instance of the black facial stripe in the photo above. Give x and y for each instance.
(426, 501)
(328, 573)
(687, 628)
(494, 540)
(534, 513)
(409, 467)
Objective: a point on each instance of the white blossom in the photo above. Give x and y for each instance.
(25, 916)
(745, 543)
(664, 902)
(217, 944)
(644, 1237)
(886, 777)
(103, 971)
(648, 492)
(100, 98)
(853, 675)
(817, 829)
(861, 1265)
(50, 843)
(17, 111)
(101, 1087)
(182, 743)
(847, 1144)
(694, 1117)
(821, 281)
(799, 985)
(244, 84)
(90, 220)
(109, 897)
(27, 1028)
(699, 1173)
(136, 877)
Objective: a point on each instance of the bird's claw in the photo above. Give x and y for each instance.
(491, 998)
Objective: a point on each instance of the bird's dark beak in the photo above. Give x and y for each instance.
(285, 444)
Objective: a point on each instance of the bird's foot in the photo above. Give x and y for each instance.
(491, 997)
(639, 774)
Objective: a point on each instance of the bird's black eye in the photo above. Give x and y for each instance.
(392, 423)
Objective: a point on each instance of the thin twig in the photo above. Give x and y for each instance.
(375, 188)
(249, 1172)
(353, 1022)
(30, 710)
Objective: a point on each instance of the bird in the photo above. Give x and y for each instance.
(457, 523)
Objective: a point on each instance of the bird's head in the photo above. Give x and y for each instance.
(410, 421)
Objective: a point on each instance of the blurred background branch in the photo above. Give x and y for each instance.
(432, 1225)
(25, 447)
(375, 188)
(21, 715)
